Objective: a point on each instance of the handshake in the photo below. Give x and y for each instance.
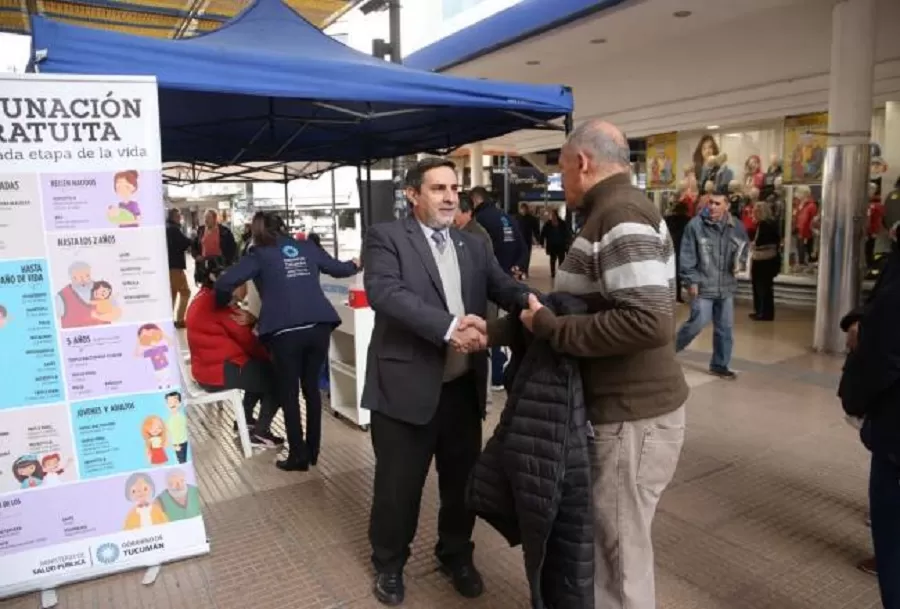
(470, 335)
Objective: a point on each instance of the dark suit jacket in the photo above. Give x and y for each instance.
(405, 364)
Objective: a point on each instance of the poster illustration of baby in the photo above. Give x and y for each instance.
(126, 213)
(4, 317)
(140, 491)
(153, 431)
(28, 472)
(154, 345)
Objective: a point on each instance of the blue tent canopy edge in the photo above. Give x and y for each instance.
(270, 87)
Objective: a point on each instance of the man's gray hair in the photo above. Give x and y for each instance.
(601, 144)
(78, 265)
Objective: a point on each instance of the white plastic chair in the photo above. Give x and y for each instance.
(196, 396)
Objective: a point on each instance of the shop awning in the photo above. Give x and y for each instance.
(155, 18)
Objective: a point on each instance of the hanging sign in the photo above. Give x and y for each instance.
(96, 472)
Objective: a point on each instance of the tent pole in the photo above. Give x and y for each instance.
(367, 218)
(506, 182)
(287, 201)
(397, 163)
(334, 219)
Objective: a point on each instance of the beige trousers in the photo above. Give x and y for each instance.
(631, 464)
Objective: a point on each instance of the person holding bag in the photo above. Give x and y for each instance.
(765, 263)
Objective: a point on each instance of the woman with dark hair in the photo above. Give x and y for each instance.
(227, 355)
(555, 237)
(295, 323)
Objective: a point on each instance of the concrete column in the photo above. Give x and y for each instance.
(845, 182)
(890, 148)
(476, 164)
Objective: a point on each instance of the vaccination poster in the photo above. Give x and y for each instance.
(96, 470)
(662, 160)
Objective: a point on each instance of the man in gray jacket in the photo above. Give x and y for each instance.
(713, 249)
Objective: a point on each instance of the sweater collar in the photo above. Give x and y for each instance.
(601, 190)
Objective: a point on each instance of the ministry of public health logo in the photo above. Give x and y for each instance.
(108, 553)
(290, 251)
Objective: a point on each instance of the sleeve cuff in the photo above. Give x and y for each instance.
(451, 329)
(544, 323)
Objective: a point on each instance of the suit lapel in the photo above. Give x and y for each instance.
(464, 260)
(417, 237)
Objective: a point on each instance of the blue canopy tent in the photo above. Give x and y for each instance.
(268, 91)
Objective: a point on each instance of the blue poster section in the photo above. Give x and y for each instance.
(28, 348)
(126, 433)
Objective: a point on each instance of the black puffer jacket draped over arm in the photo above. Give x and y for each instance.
(533, 481)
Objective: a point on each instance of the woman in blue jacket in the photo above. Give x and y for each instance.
(295, 323)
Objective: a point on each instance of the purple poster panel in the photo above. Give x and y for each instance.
(95, 201)
(34, 519)
(120, 359)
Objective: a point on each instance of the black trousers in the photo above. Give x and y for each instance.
(298, 357)
(403, 454)
(762, 277)
(556, 257)
(255, 379)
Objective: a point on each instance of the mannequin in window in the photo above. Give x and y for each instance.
(736, 198)
(687, 195)
(806, 212)
(706, 148)
(753, 173)
(716, 171)
(773, 174)
(748, 212)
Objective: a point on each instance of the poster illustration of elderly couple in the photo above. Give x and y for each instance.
(96, 470)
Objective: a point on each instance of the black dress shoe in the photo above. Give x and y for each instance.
(466, 580)
(293, 464)
(389, 589)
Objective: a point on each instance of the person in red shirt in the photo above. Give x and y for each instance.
(807, 210)
(227, 355)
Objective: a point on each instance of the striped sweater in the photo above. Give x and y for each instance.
(622, 263)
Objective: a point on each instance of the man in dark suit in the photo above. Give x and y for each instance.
(426, 379)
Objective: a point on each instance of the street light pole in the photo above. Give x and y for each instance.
(391, 50)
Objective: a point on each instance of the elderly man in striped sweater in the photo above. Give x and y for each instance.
(622, 263)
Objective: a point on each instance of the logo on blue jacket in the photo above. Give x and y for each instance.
(290, 251)
(108, 553)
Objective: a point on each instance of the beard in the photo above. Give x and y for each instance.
(179, 496)
(83, 290)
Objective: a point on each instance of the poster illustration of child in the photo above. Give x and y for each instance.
(54, 468)
(102, 302)
(28, 472)
(153, 431)
(154, 345)
(145, 511)
(127, 213)
(80, 305)
(4, 316)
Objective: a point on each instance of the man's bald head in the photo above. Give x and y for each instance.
(595, 151)
(602, 142)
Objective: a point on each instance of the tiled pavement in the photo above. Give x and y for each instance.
(767, 509)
